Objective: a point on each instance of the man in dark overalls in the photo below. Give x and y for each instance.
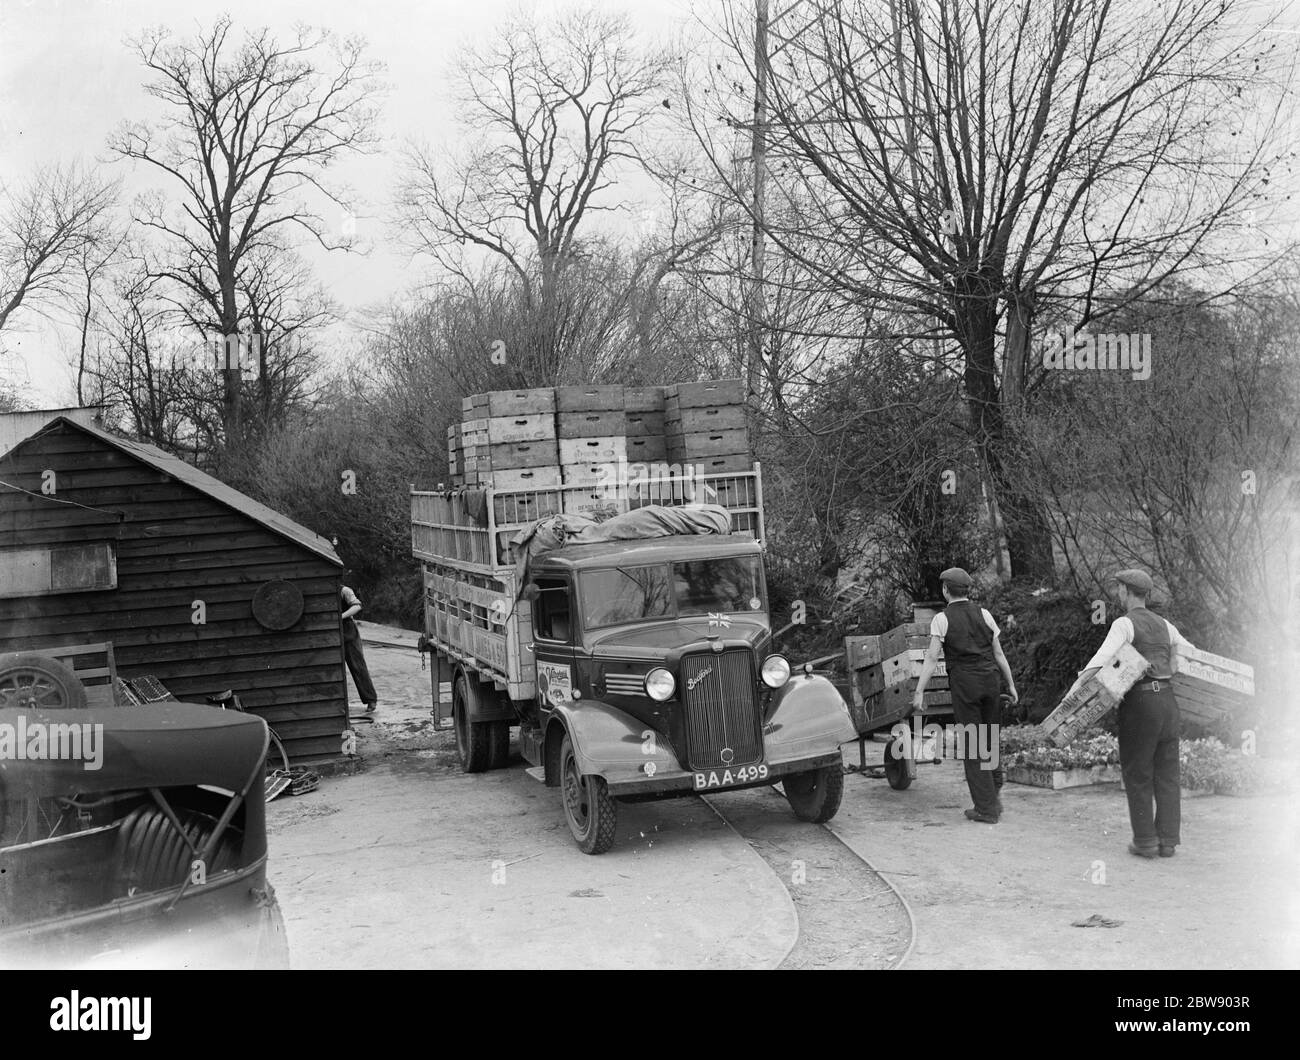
(353, 654)
(972, 655)
(1149, 722)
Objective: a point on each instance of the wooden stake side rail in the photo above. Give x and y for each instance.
(442, 532)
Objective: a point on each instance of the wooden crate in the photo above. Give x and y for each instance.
(590, 423)
(603, 474)
(497, 403)
(905, 637)
(506, 455)
(708, 418)
(497, 429)
(717, 465)
(640, 399)
(525, 478)
(703, 444)
(1215, 674)
(646, 450)
(643, 424)
(710, 392)
(588, 399)
(1091, 701)
(608, 449)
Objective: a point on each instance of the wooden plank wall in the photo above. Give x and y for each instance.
(176, 546)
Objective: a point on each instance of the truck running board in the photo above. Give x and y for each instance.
(537, 773)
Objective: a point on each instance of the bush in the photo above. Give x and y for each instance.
(1048, 636)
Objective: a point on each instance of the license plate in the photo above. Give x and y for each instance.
(725, 778)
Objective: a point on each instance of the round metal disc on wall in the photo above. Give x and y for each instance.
(277, 605)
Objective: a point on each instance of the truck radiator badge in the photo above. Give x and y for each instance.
(727, 755)
(691, 682)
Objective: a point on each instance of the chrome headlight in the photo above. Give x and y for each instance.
(776, 671)
(660, 684)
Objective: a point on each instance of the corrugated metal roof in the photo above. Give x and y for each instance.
(212, 487)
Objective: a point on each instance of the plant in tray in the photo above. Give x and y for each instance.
(1091, 749)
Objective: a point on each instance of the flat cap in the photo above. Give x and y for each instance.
(956, 576)
(1136, 579)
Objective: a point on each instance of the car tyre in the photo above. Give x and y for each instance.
(33, 681)
(590, 812)
(815, 795)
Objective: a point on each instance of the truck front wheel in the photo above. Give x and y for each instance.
(478, 743)
(815, 795)
(591, 813)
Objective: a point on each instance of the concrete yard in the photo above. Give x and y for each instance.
(411, 864)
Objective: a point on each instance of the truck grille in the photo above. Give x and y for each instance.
(723, 728)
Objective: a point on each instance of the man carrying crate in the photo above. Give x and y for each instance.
(1148, 717)
(972, 655)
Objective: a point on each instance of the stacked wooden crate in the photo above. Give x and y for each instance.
(704, 424)
(1212, 688)
(592, 432)
(883, 672)
(1098, 695)
(508, 440)
(643, 427)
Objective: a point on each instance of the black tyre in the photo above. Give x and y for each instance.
(591, 813)
(499, 744)
(815, 795)
(31, 681)
(473, 738)
(896, 769)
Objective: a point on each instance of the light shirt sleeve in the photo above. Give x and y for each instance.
(1121, 633)
(988, 621)
(350, 598)
(939, 626)
(1176, 638)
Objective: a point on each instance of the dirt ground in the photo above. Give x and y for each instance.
(412, 864)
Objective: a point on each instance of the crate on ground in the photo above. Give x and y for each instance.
(1098, 695)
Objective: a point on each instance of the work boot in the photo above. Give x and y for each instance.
(1168, 852)
(1141, 852)
(982, 818)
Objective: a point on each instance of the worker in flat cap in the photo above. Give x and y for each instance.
(973, 657)
(1149, 722)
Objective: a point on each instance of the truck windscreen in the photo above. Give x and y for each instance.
(631, 594)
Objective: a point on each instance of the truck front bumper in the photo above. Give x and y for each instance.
(683, 782)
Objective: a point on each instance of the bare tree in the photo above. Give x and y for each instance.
(977, 169)
(250, 130)
(48, 228)
(553, 113)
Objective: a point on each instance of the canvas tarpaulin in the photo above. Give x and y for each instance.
(651, 521)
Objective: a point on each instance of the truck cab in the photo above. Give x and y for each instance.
(656, 677)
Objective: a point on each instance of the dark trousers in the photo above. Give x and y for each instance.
(356, 660)
(1148, 758)
(975, 702)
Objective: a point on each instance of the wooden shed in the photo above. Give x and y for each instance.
(108, 540)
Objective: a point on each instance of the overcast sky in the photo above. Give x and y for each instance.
(67, 79)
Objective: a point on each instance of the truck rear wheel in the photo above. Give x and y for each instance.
(474, 739)
(591, 813)
(815, 795)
